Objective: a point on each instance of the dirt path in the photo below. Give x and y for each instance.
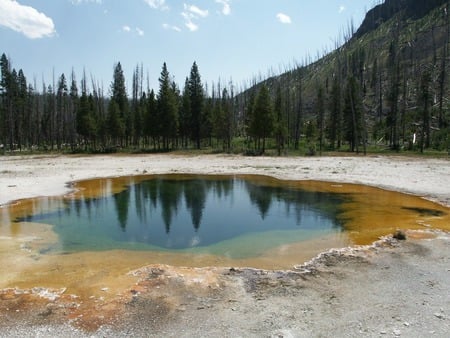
(393, 288)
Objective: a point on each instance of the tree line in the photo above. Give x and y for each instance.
(68, 115)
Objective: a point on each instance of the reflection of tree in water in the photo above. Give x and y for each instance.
(260, 196)
(122, 201)
(139, 201)
(222, 188)
(169, 194)
(169, 211)
(294, 200)
(195, 192)
(326, 204)
(78, 205)
(89, 205)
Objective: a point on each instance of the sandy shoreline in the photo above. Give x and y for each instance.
(390, 289)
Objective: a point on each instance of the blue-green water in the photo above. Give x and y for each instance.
(192, 213)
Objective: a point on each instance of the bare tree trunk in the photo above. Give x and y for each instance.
(443, 74)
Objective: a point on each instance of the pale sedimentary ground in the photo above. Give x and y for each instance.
(390, 289)
(30, 176)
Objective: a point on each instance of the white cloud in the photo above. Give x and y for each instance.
(188, 21)
(26, 20)
(191, 13)
(283, 18)
(191, 26)
(195, 11)
(226, 9)
(77, 2)
(139, 31)
(157, 4)
(169, 27)
(341, 9)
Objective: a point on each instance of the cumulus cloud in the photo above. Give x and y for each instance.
(26, 20)
(195, 11)
(157, 4)
(283, 18)
(170, 27)
(139, 31)
(77, 2)
(191, 13)
(226, 7)
(190, 24)
(128, 29)
(341, 9)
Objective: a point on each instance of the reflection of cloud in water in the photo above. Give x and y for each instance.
(194, 241)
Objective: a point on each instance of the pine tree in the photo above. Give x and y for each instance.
(21, 108)
(197, 104)
(424, 104)
(227, 112)
(167, 108)
(73, 108)
(320, 117)
(116, 126)
(298, 109)
(62, 102)
(280, 124)
(353, 115)
(47, 116)
(151, 126)
(86, 122)
(119, 97)
(394, 91)
(137, 106)
(334, 128)
(185, 115)
(6, 100)
(262, 122)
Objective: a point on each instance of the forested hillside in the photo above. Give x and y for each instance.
(386, 85)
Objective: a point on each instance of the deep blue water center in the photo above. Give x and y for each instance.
(192, 212)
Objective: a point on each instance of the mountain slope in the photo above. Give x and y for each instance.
(399, 58)
(384, 12)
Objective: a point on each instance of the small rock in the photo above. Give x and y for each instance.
(399, 235)
(383, 332)
(439, 315)
(105, 289)
(397, 333)
(406, 324)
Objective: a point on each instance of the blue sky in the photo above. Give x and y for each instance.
(229, 39)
